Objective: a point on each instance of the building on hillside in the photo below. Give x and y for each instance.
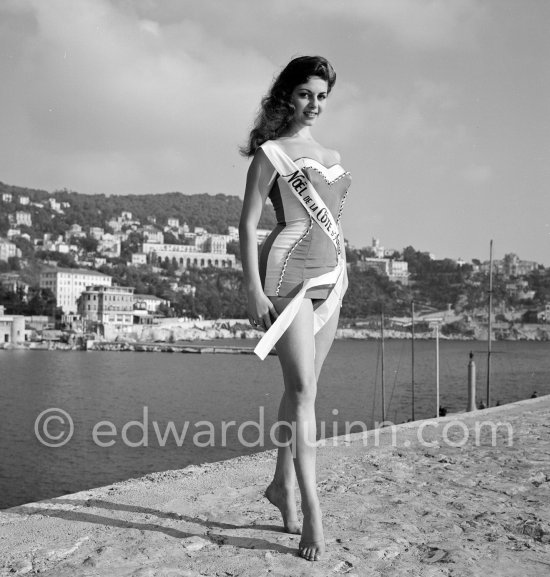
(511, 266)
(24, 200)
(55, 205)
(109, 246)
(115, 224)
(75, 231)
(186, 256)
(97, 232)
(138, 258)
(152, 234)
(107, 305)
(216, 243)
(11, 281)
(377, 249)
(99, 261)
(8, 249)
(382, 265)
(67, 284)
(399, 271)
(173, 222)
(149, 303)
(186, 289)
(395, 270)
(7, 197)
(23, 217)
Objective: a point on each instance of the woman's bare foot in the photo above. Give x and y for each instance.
(312, 544)
(284, 500)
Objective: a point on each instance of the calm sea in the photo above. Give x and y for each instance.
(205, 393)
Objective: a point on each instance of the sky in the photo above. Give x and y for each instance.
(441, 109)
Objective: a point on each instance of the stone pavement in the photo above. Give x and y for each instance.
(452, 497)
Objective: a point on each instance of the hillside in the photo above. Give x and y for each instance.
(213, 212)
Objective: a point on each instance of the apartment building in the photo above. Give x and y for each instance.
(108, 305)
(8, 249)
(67, 284)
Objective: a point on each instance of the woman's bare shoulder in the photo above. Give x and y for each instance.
(261, 171)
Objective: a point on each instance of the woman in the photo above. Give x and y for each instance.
(295, 290)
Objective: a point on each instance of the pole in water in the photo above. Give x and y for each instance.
(383, 371)
(412, 357)
(471, 384)
(437, 369)
(489, 324)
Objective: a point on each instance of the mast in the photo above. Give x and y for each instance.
(489, 324)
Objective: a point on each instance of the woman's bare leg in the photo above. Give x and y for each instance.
(281, 491)
(301, 357)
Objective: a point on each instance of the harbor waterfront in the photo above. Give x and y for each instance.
(163, 388)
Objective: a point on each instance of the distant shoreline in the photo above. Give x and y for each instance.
(209, 343)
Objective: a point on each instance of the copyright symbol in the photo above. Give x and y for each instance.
(64, 425)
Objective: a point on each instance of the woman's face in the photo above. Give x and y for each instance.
(308, 100)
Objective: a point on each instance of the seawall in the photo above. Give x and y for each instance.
(463, 495)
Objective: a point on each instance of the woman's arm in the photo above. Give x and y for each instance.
(258, 179)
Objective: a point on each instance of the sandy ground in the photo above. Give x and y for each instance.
(414, 505)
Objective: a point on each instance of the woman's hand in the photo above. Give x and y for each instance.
(261, 312)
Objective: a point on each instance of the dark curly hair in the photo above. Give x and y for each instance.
(276, 110)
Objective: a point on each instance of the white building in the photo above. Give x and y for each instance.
(96, 232)
(24, 200)
(186, 256)
(6, 197)
(55, 205)
(151, 234)
(109, 246)
(395, 270)
(75, 231)
(23, 217)
(12, 328)
(173, 222)
(149, 303)
(399, 271)
(139, 258)
(216, 243)
(8, 249)
(67, 284)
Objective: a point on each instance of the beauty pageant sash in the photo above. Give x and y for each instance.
(304, 191)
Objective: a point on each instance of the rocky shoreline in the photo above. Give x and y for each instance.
(174, 336)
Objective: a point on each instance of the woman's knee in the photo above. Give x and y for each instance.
(301, 390)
